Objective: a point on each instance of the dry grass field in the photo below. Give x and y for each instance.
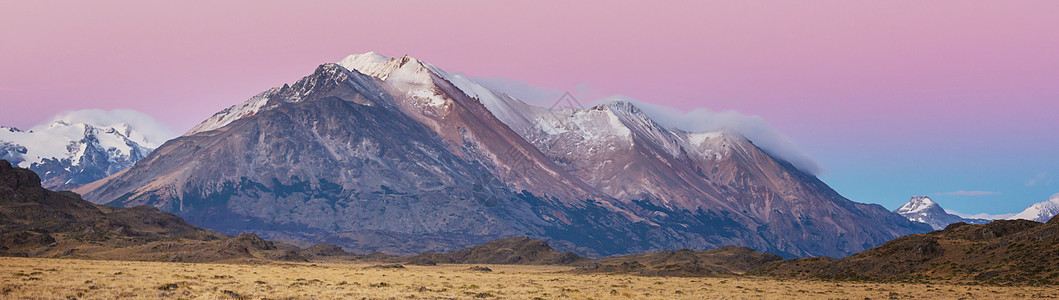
(39, 278)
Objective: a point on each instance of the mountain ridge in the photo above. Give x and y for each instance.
(431, 167)
(71, 154)
(1041, 211)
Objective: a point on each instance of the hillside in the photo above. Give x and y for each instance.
(721, 262)
(518, 250)
(1000, 252)
(36, 222)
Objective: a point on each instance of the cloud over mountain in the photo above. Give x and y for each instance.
(700, 119)
(153, 132)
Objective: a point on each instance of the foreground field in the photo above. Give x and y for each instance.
(35, 278)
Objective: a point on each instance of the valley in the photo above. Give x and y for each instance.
(42, 278)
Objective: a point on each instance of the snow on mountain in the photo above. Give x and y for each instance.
(923, 209)
(235, 112)
(1040, 212)
(67, 154)
(396, 154)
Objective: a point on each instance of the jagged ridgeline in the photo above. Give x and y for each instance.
(394, 154)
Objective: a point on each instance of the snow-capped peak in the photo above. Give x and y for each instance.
(923, 209)
(66, 154)
(57, 141)
(380, 66)
(1040, 212)
(916, 205)
(405, 73)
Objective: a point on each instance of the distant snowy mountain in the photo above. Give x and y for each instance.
(1040, 212)
(66, 154)
(923, 209)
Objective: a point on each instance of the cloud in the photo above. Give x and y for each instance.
(522, 91)
(754, 128)
(967, 193)
(153, 132)
(981, 216)
(1041, 178)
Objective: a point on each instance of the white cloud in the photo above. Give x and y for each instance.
(754, 128)
(981, 216)
(967, 193)
(1041, 178)
(153, 132)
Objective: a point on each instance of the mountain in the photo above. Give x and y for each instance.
(68, 155)
(1000, 252)
(1040, 212)
(923, 209)
(394, 154)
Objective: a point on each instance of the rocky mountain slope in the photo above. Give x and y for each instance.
(1040, 212)
(1002, 252)
(393, 154)
(923, 209)
(37, 222)
(67, 155)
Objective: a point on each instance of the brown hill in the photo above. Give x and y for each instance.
(1001, 252)
(518, 250)
(724, 261)
(36, 222)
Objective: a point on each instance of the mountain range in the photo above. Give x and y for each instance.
(394, 154)
(923, 209)
(69, 154)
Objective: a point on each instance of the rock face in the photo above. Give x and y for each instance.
(396, 155)
(68, 155)
(923, 209)
(1040, 212)
(1001, 252)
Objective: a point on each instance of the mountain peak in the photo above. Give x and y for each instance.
(1041, 211)
(918, 204)
(68, 153)
(923, 209)
(381, 66)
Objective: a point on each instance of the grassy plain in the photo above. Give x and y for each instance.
(40, 278)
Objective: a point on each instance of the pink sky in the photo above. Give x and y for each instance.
(827, 73)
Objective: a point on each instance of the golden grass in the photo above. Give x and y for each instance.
(37, 278)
